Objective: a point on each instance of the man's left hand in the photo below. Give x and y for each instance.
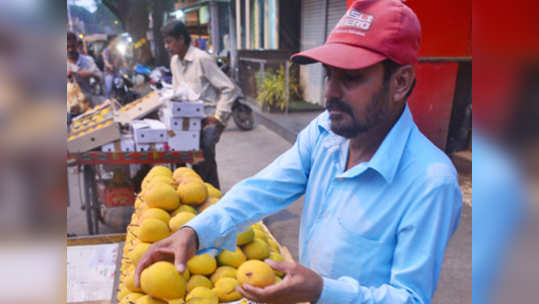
(211, 132)
(300, 284)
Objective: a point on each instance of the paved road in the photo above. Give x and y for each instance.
(241, 154)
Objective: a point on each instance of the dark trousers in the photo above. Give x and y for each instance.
(208, 168)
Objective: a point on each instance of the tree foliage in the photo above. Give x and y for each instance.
(134, 15)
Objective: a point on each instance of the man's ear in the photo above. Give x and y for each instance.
(401, 82)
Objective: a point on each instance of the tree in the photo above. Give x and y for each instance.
(159, 9)
(80, 12)
(133, 14)
(104, 18)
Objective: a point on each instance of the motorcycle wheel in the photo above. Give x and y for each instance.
(243, 117)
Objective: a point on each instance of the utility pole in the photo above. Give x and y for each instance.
(233, 45)
(214, 27)
(69, 19)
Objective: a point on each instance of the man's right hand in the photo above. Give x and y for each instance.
(177, 248)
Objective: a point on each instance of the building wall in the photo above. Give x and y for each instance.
(248, 70)
(266, 30)
(312, 35)
(318, 18)
(289, 25)
(267, 24)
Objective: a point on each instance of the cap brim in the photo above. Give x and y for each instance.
(343, 56)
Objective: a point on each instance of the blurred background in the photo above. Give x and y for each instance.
(32, 145)
(506, 152)
(32, 142)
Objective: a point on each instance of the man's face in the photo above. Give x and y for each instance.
(175, 46)
(72, 51)
(357, 100)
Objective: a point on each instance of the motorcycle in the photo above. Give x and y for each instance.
(160, 77)
(96, 88)
(122, 88)
(242, 114)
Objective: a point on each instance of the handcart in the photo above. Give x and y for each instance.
(87, 163)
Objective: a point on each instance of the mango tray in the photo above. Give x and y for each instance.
(119, 238)
(125, 158)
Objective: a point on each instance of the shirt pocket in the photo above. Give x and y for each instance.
(363, 258)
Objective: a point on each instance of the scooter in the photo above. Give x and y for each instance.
(160, 77)
(242, 114)
(96, 88)
(122, 88)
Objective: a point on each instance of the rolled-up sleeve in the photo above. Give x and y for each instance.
(219, 80)
(272, 189)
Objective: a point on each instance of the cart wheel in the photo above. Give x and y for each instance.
(92, 186)
(89, 220)
(88, 172)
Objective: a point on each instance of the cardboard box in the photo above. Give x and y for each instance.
(104, 110)
(184, 141)
(179, 123)
(125, 144)
(94, 137)
(122, 196)
(149, 131)
(186, 109)
(159, 147)
(90, 119)
(139, 108)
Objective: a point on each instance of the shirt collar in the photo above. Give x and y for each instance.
(323, 122)
(79, 60)
(189, 56)
(387, 158)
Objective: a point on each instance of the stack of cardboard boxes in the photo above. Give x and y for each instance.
(113, 128)
(183, 120)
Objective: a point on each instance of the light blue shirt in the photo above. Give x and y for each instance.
(500, 210)
(376, 233)
(84, 63)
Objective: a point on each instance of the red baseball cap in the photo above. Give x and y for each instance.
(369, 32)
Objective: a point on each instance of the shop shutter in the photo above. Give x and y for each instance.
(336, 9)
(316, 24)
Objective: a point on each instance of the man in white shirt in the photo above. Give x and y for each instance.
(190, 65)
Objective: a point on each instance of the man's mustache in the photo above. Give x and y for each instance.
(337, 104)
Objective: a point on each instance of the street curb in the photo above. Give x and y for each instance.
(281, 130)
(463, 161)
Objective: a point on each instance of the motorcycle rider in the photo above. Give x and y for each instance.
(197, 69)
(112, 63)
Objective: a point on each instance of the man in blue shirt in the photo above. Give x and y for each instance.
(80, 67)
(381, 201)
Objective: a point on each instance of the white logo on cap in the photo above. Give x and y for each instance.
(356, 19)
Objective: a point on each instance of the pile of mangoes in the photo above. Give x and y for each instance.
(168, 200)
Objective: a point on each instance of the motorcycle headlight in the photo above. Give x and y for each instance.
(121, 48)
(118, 82)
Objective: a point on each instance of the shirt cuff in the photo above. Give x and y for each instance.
(338, 291)
(208, 236)
(222, 117)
